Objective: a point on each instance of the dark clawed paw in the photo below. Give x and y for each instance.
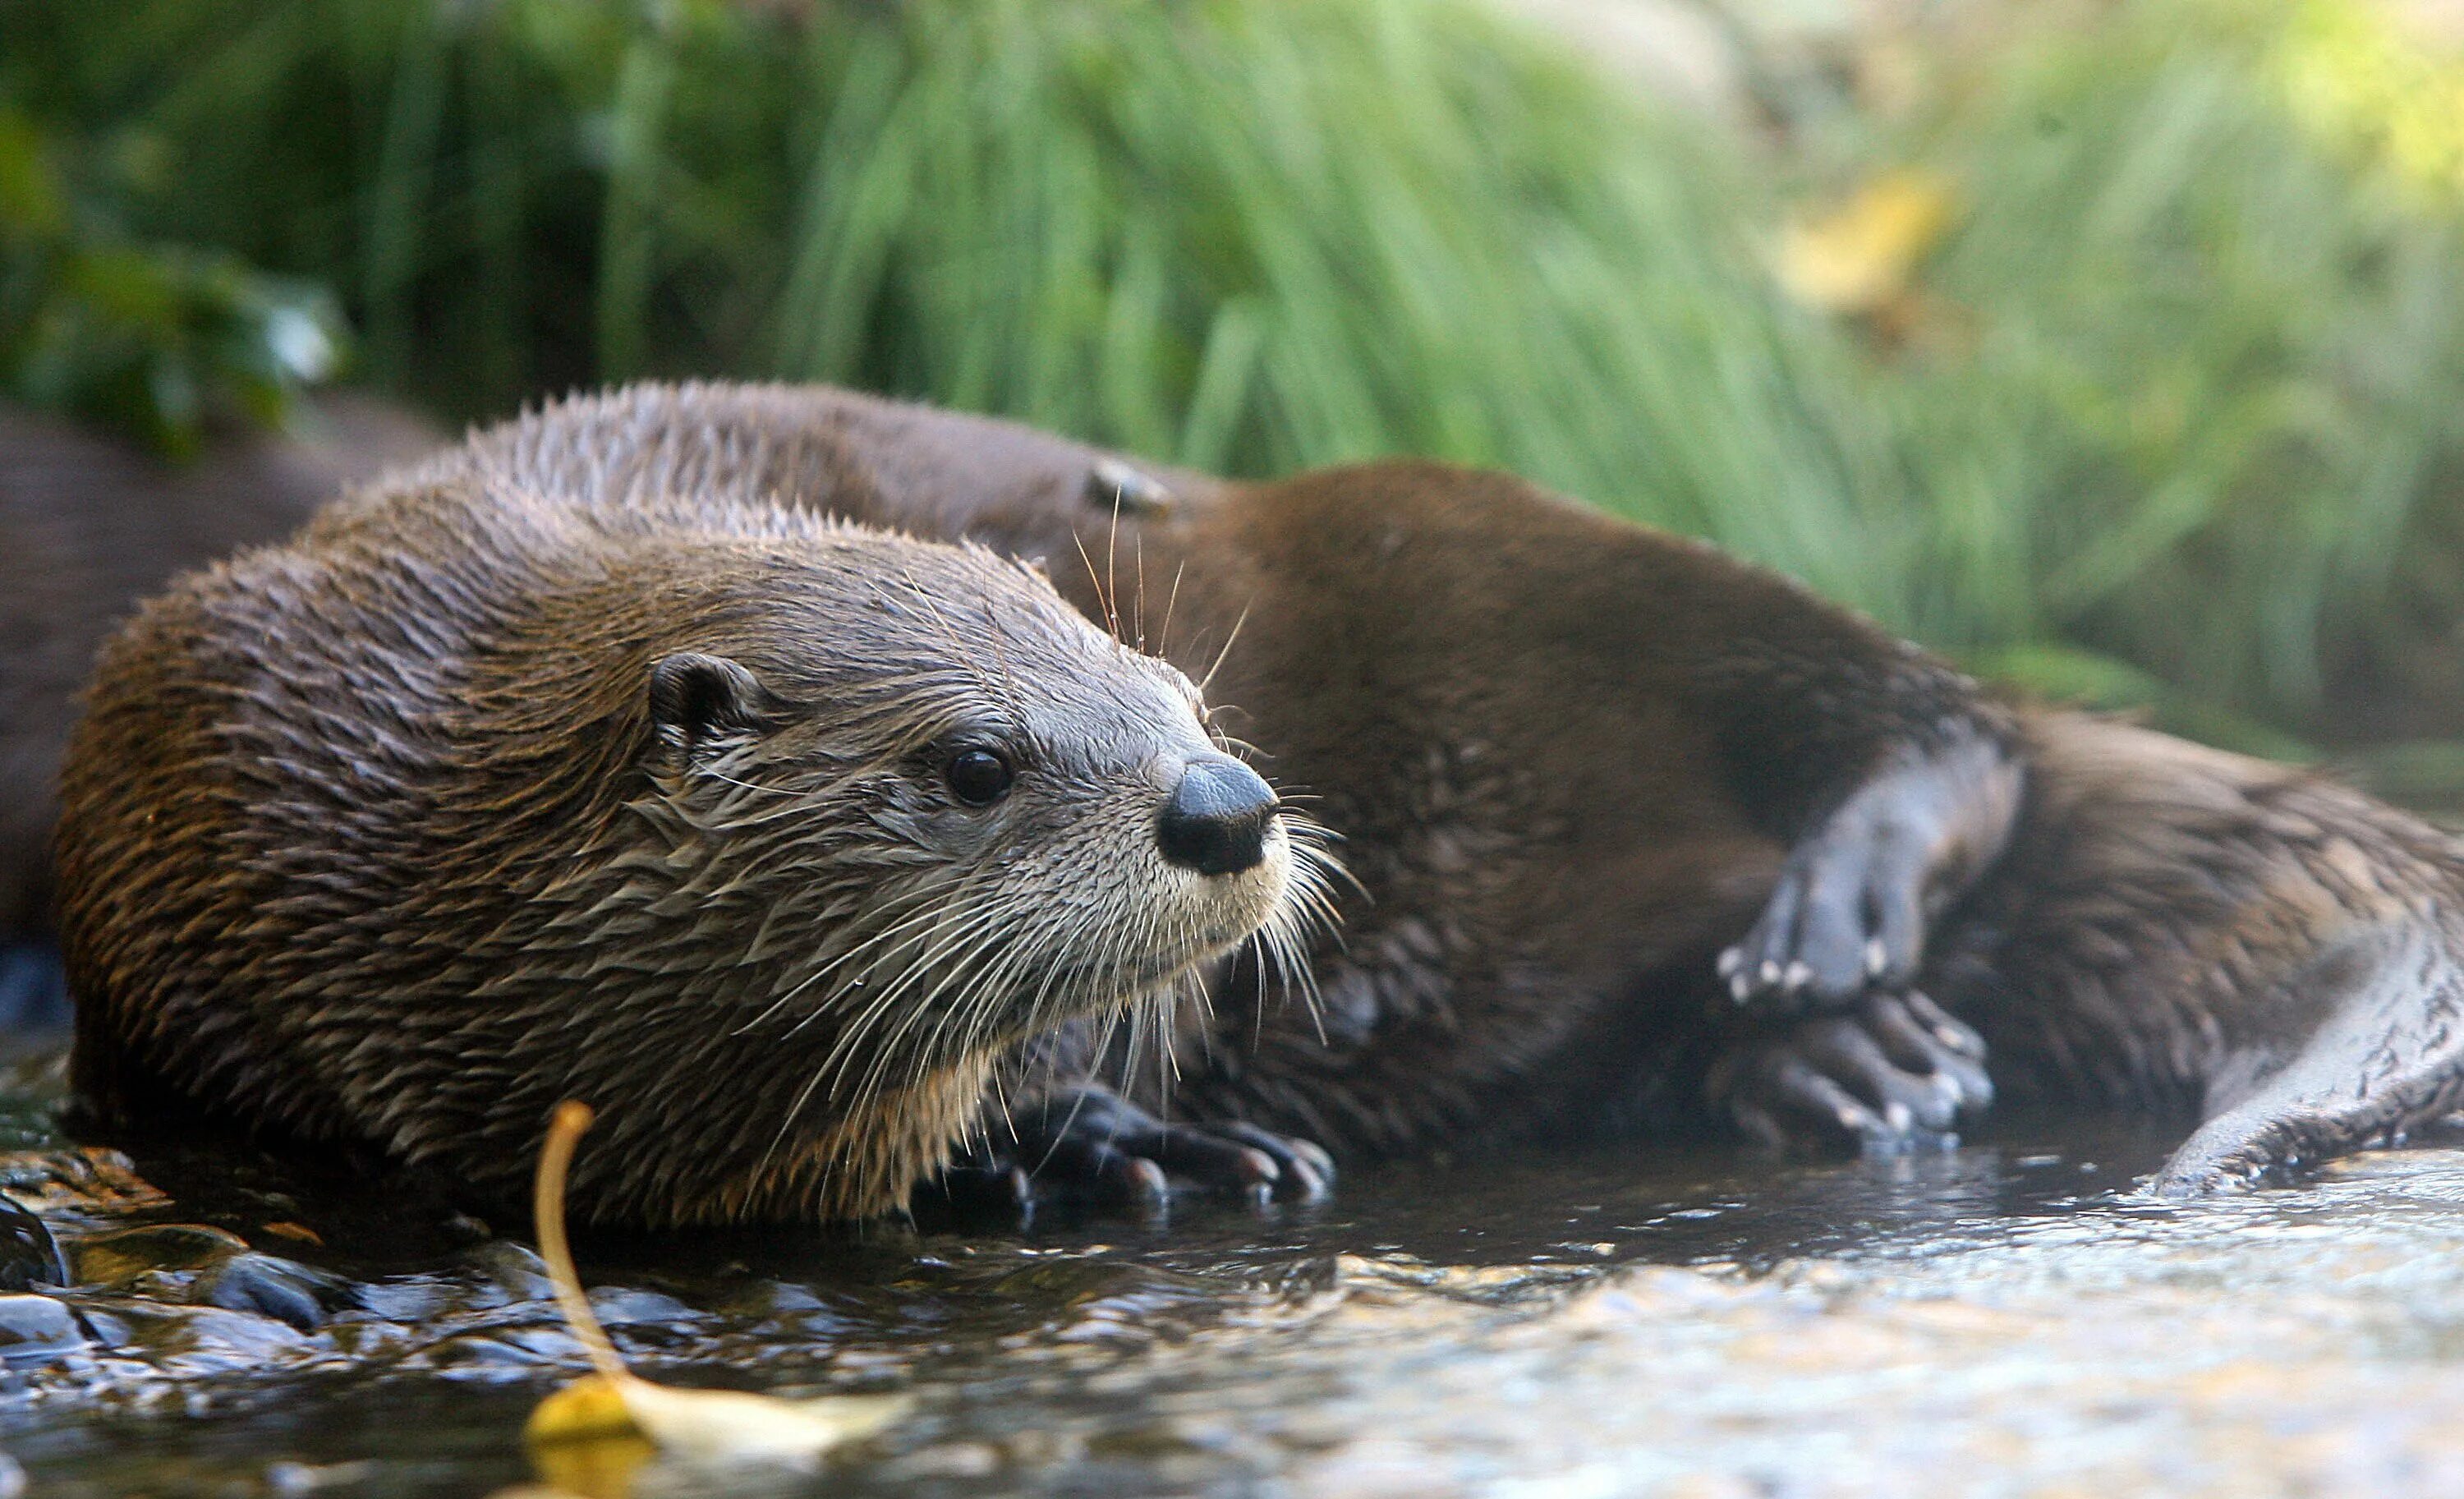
(1894, 1074)
(1848, 913)
(975, 1188)
(1846, 917)
(1090, 1144)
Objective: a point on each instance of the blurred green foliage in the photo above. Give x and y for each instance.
(2194, 403)
(159, 342)
(2162, 410)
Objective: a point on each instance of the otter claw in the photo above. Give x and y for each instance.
(1089, 1141)
(1848, 912)
(1894, 1074)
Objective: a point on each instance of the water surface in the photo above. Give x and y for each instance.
(2004, 1319)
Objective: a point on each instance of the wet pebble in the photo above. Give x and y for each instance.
(117, 1258)
(515, 1271)
(283, 1289)
(28, 1255)
(34, 1326)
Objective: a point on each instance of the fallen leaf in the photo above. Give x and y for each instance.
(1859, 256)
(594, 1435)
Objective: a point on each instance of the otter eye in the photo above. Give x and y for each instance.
(977, 776)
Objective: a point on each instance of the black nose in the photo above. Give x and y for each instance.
(1215, 820)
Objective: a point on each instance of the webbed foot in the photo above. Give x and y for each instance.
(1897, 1072)
(1088, 1142)
(1849, 912)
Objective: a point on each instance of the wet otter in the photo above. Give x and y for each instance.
(1622, 811)
(769, 835)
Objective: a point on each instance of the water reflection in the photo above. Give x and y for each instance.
(2007, 1319)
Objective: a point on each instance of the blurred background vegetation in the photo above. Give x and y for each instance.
(2117, 348)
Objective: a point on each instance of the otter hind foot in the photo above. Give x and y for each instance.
(1848, 913)
(1894, 1074)
(1085, 1141)
(2387, 1060)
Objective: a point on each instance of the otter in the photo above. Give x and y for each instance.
(1638, 836)
(770, 835)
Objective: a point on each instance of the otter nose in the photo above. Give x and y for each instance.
(1215, 821)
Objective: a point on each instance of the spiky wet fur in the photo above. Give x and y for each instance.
(375, 836)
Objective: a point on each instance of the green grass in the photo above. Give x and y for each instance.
(2207, 401)
(2173, 424)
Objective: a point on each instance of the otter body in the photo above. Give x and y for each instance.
(769, 835)
(1639, 834)
(1636, 836)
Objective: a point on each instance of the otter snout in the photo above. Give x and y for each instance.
(1215, 820)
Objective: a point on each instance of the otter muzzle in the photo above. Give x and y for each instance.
(1215, 820)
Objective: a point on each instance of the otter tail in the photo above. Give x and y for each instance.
(2387, 1057)
(2253, 944)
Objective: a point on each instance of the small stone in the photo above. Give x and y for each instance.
(28, 1255)
(38, 1327)
(284, 1289)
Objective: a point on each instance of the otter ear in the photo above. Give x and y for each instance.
(696, 699)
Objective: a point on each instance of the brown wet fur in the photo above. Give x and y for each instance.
(1569, 758)
(391, 834)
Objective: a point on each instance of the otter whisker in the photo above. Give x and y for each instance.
(1141, 608)
(716, 775)
(929, 1016)
(867, 1094)
(957, 642)
(1163, 644)
(1111, 552)
(976, 935)
(893, 995)
(1001, 658)
(1103, 596)
(1234, 634)
(837, 960)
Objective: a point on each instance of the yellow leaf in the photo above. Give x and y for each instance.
(728, 1426)
(589, 1409)
(584, 1441)
(1861, 254)
(593, 1436)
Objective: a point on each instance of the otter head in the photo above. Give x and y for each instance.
(908, 809)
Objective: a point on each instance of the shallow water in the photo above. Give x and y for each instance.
(2002, 1319)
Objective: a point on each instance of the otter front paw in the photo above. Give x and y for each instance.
(1088, 1142)
(1895, 1074)
(1849, 912)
